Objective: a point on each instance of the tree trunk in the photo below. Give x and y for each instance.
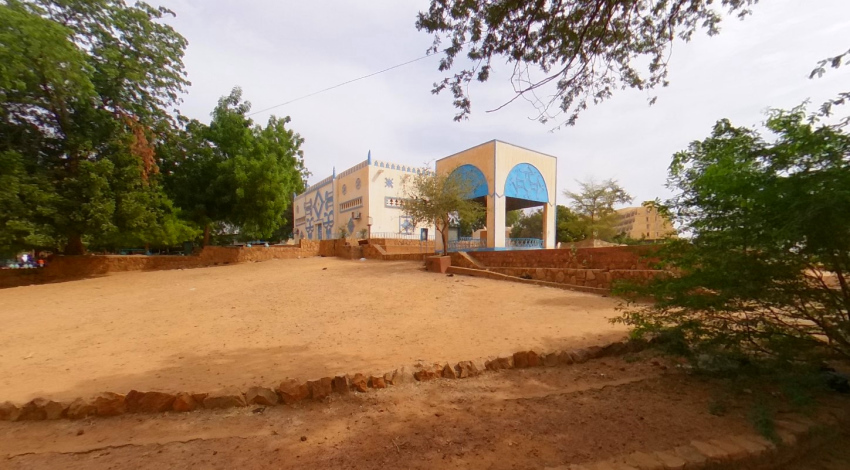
(206, 235)
(445, 235)
(75, 245)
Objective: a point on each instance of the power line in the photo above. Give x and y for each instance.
(343, 83)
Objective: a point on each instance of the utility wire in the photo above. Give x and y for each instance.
(343, 83)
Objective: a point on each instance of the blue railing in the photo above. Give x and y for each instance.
(467, 244)
(523, 243)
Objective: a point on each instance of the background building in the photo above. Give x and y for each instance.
(367, 193)
(643, 223)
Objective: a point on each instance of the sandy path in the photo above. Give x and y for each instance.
(254, 324)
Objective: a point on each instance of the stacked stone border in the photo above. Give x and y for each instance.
(797, 435)
(291, 391)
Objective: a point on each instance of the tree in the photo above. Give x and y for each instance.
(594, 207)
(441, 200)
(84, 85)
(531, 225)
(585, 49)
(234, 172)
(765, 271)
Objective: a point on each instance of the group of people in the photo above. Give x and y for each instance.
(26, 261)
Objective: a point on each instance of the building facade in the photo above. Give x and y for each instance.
(643, 223)
(364, 198)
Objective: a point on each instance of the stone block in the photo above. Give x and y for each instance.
(713, 453)
(110, 404)
(580, 355)
(359, 383)
(377, 382)
(81, 408)
(184, 402)
(402, 375)
(148, 402)
(534, 359)
(228, 398)
(320, 389)
(670, 460)
(388, 378)
(261, 396)
(500, 363)
(644, 461)
(9, 411)
(551, 359)
(33, 411)
(340, 385)
(449, 372)
(292, 391)
(521, 359)
(693, 457)
(565, 358)
(426, 373)
(734, 451)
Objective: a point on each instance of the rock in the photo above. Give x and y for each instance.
(590, 276)
(81, 408)
(261, 396)
(614, 349)
(9, 412)
(340, 385)
(42, 408)
(594, 352)
(580, 356)
(466, 369)
(550, 360)
(148, 402)
(426, 373)
(521, 359)
(377, 382)
(33, 411)
(184, 402)
(320, 389)
(500, 363)
(359, 383)
(228, 398)
(55, 410)
(560, 277)
(110, 404)
(566, 358)
(402, 376)
(292, 391)
(199, 398)
(534, 359)
(449, 372)
(388, 378)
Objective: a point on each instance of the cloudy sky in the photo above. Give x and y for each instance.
(279, 50)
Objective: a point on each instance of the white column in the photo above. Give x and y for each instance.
(549, 230)
(495, 221)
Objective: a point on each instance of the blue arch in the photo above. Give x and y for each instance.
(476, 179)
(525, 182)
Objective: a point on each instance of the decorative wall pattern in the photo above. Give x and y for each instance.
(405, 225)
(475, 178)
(393, 202)
(525, 182)
(351, 204)
(388, 182)
(319, 209)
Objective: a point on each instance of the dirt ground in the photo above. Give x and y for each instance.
(516, 419)
(256, 324)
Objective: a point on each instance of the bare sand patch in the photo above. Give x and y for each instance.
(255, 324)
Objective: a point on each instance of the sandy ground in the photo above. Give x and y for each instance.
(516, 419)
(255, 324)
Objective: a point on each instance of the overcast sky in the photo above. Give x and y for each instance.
(279, 50)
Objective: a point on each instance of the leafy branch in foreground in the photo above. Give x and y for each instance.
(585, 49)
(765, 273)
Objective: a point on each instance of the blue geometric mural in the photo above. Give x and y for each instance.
(388, 182)
(405, 225)
(476, 179)
(525, 182)
(319, 209)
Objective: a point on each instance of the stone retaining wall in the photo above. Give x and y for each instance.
(291, 391)
(64, 268)
(607, 258)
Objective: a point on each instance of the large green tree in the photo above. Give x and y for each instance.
(235, 173)
(531, 225)
(765, 272)
(584, 49)
(594, 205)
(84, 85)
